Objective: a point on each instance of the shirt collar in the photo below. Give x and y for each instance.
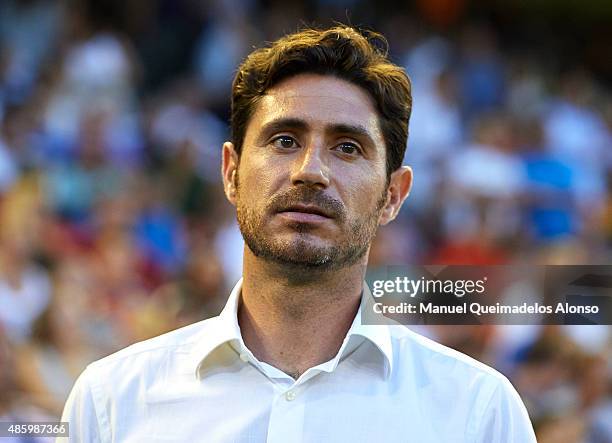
(222, 329)
(225, 329)
(378, 335)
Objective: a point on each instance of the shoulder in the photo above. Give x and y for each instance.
(443, 368)
(146, 356)
(448, 378)
(426, 351)
(116, 388)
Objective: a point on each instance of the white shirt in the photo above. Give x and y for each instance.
(200, 383)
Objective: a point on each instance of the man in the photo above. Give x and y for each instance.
(319, 127)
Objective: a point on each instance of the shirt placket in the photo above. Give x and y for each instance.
(287, 411)
(287, 414)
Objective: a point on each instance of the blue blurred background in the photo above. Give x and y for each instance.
(113, 223)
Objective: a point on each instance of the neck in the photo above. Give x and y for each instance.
(294, 321)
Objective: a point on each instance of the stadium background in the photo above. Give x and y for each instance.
(114, 227)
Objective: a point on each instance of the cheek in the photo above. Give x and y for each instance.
(255, 181)
(362, 192)
(260, 171)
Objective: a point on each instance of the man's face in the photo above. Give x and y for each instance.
(310, 186)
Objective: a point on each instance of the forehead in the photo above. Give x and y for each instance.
(319, 100)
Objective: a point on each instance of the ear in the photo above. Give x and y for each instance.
(229, 169)
(399, 187)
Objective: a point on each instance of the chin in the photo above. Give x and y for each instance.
(305, 254)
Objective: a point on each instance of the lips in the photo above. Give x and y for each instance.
(307, 209)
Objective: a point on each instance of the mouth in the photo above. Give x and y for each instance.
(305, 213)
(308, 209)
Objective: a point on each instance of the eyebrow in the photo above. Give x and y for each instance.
(283, 124)
(353, 130)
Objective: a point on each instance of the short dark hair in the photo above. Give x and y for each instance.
(360, 57)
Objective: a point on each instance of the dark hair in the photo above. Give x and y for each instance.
(359, 57)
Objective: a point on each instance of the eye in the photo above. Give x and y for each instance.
(284, 142)
(348, 148)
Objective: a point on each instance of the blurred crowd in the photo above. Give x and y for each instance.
(114, 227)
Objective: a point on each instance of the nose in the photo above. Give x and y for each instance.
(310, 168)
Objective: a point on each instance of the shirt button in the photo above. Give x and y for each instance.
(290, 395)
(244, 357)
